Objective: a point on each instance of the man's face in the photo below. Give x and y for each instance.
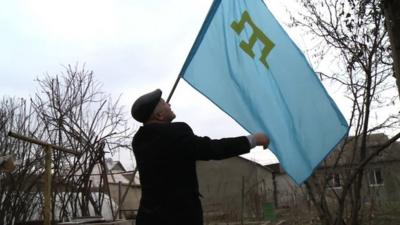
(164, 111)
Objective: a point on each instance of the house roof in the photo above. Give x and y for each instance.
(275, 168)
(374, 141)
(113, 165)
(349, 154)
(115, 177)
(255, 164)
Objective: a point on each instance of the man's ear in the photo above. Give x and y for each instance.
(159, 115)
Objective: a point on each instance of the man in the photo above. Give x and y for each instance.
(166, 155)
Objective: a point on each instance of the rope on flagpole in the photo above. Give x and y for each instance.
(173, 88)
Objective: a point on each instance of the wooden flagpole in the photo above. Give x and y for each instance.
(173, 88)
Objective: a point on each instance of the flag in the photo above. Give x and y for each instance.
(245, 63)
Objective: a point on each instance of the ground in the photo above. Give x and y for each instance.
(388, 214)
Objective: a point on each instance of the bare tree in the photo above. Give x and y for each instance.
(20, 186)
(392, 19)
(79, 116)
(352, 35)
(68, 110)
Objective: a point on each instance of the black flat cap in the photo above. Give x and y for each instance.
(144, 106)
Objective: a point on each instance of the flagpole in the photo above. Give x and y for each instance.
(173, 88)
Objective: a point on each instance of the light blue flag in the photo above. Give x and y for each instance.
(244, 62)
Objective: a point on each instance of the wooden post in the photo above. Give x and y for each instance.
(42, 143)
(242, 208)
(107, 186)
(47, 186)
(119, 200)
(132, 179)
(275, 190)
(48, 148)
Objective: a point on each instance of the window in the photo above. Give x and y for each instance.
(375, 177)
(334, 182)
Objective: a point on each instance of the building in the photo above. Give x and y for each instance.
(234, 188)
(230, 188)
(122, 189)
(381, 175)
(286, 193)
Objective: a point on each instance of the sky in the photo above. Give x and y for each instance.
(132, 46)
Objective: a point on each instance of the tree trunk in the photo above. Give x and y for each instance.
(392, 16)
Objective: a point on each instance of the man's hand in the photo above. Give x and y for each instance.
(261, 140)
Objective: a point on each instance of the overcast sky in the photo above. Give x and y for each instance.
(132, 46)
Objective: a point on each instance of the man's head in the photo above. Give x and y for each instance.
(152, 108)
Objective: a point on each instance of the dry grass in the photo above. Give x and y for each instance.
(384, 214)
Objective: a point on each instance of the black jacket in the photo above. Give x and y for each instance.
(166, 157)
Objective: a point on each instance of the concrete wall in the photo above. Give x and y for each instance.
(391, 180)
(224, 185)
(227, 184)
(388, 191)
(289, 194)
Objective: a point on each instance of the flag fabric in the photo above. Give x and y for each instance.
(245, 63)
